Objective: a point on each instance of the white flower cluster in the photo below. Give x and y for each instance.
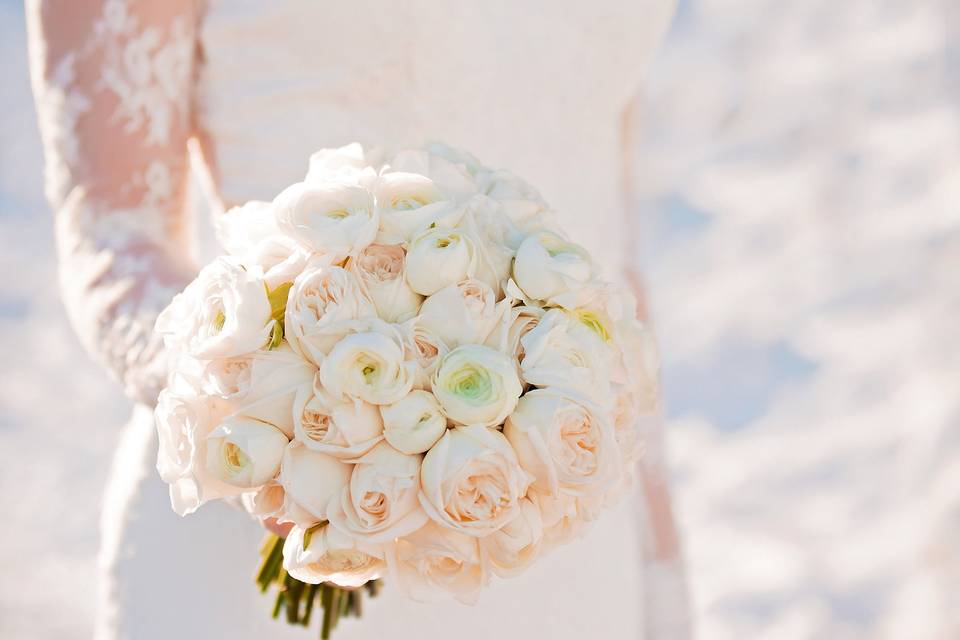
(405, 358)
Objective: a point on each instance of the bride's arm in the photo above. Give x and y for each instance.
(112, 80)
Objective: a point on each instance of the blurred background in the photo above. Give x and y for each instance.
(799, 220)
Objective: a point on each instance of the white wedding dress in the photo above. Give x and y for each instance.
(123, 86)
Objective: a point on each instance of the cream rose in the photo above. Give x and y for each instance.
(439, 257)
(563, 351)
(323, 554)
(381, 271)
(563, 518)
(476, 385)
(548, 266)
(566, 443)
(425, 349)
(341, 429)
(414, 423)
(409, 203)
(332, 218)
(434, 563)
(513, 324)
(321, 307)
(369, 365)
(471, 481)
(266, 386)
(380, 503)
(462, 313)
(224, 312)
(310, 479)
(514, 547)
(244, 452)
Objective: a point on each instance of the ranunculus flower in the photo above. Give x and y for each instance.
(369, 365)
(565, 442)
(185, 418)
(514, 546)
(332, 218)
(548, 266)
(464, 312)
(244, 452)
(349, 163)
(341, 429)
(414, 423)
(381, 271)
(267, 389)
(477, 385)
(323, 554)
(242, 228)
(380, 503)
(409, 203)
(562, 351)
(310, 479)
(439, 257)
(434, 563)
(280, 259)
(471, 481)
(321, 307)
(423, 348)
(224, 312)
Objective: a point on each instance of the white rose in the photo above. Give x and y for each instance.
(414, 423)
(184, 419)
(224, 312)
(450, 175)
(244, 452)
(515, 546)
(462, 313)
(310, 479)
(548, 266)
(350, 163)
(280, 259)
(513, 324)
(341, 429)
(323, 554)
(369, 365)
(409, 203)
(564, 351)
(434, 562)
(321, 307)
(476, 385)
(439, 257)
(381, 270)
(267, 389)
(471, 481)
(423, 348)
(565, 442)
(242, 228)
(332, 218)
(381, 503)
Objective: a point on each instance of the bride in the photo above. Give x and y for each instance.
(132, 94)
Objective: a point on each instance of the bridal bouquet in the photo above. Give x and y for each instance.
(405, 362)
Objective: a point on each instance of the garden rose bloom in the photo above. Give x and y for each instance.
(310, 479)
(369, 365)
(464, 312)
(333, 218)
(324, 554)
(565, 442)
(414, 423)
(321, 307)
(476, 385)
(516, 545)
(512, 325)
(244, 452)
(381, 271)
(471, 481)
(340, 429)
(434, 563)
(380, 503)
(425, 349)
(547, 266)
(224, 312)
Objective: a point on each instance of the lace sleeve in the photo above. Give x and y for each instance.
(112, 81)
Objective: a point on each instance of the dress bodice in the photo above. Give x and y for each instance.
(538, 89)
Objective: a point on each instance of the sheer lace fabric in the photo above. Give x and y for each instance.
(113, 83)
